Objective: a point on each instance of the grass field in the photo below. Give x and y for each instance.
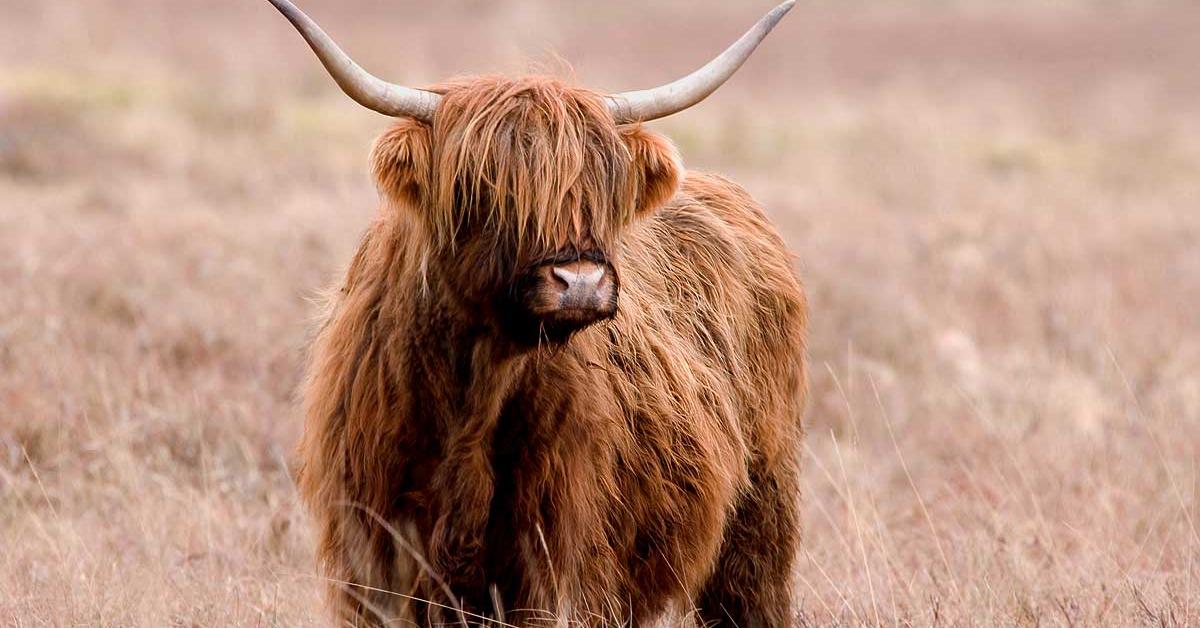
(995, 208)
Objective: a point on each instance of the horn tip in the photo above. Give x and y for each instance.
(289, 10)
(777, 14)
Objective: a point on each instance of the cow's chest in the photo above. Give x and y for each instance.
(584, 509)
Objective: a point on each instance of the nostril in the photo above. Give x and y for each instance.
(592, 278)
(566, 276)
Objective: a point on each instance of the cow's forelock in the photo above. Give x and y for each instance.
(533, 163)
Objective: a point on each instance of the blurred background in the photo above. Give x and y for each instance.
(995, 207)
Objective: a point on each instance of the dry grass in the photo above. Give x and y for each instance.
(994, 206)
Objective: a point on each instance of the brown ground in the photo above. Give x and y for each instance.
(995, 206)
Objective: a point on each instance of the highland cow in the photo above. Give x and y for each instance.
(562, 381)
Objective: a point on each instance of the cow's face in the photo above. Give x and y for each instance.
(526, 188)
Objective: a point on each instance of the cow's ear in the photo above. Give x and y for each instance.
(400, 161)
(655, 166)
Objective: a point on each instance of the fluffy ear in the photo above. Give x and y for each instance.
(655, 167)
(400, 161)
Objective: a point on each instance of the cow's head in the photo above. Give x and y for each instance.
(525, 187)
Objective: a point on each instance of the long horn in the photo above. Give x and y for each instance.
(660, 102)
(368, 90)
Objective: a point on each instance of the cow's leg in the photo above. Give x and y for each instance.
(751, 585)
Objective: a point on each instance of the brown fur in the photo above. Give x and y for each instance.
(649, 460)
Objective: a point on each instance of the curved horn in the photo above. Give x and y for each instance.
(660, 102)
(366, 89)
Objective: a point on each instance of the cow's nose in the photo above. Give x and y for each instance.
(562, 298)
(582, 283)
(573, 295)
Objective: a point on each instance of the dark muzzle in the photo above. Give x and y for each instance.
(566, 296)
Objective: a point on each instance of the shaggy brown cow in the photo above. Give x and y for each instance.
(563, 379)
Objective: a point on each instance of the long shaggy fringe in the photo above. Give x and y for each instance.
(531, 157)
